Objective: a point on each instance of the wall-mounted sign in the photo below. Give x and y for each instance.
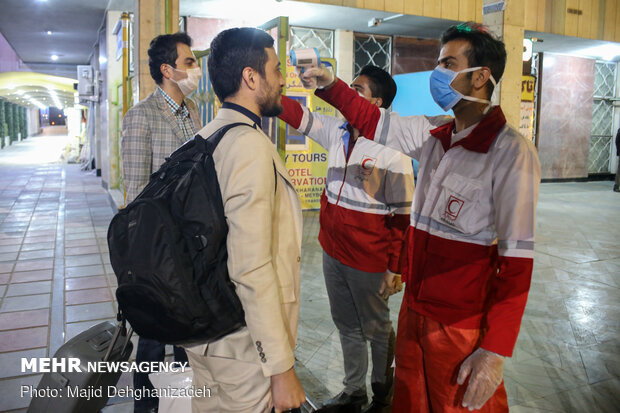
(306, 160)
(526, 123)
(528, 82)
(493, 7)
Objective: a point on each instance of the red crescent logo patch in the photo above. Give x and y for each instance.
(453, 207)
(367, 164)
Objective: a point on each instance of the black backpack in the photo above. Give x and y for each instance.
(168, 251)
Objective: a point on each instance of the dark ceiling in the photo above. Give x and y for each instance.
(74, 25)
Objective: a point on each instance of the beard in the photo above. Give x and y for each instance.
(269, 103)
(467, 91)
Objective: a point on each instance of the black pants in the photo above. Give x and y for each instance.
(151, 350)
(617, 183)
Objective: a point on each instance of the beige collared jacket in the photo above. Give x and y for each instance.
(263, 213)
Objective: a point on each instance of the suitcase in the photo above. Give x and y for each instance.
(59, 392)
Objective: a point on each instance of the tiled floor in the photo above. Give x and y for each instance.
(55, 281)
(567, 357)
(55, 278)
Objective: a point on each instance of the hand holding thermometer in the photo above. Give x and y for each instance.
(304, 59)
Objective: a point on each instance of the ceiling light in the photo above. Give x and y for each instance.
(49, 32)
(37, 103)
(54, 57)
(55, 98)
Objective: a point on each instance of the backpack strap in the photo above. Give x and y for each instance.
(212, 141)
(121, 328)
(188, 149)
(275, 177)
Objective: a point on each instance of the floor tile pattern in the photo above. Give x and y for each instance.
(567, 357)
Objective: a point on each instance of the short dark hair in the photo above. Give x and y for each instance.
(163, 50)
(232, 51)
(381, 84)
(485, 49)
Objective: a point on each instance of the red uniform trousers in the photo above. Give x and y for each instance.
(428, 357)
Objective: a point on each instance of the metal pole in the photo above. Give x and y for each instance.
(125, 62)
(167, 16)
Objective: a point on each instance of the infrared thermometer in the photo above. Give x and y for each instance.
(305, 58)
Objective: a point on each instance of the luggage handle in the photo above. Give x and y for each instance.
(306, 406)
(129, 333)
(121, 326)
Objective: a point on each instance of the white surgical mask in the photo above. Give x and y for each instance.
(190, 83)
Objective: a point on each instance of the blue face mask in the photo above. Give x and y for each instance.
(443, 93)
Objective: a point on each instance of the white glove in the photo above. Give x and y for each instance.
(391, 284)
(486, 375)
(317, 77)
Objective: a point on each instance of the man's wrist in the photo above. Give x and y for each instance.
(493, 353)
(282, 374)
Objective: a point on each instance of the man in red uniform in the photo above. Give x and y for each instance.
(470, 244)
(364, 214)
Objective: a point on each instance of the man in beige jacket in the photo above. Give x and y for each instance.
(251, 370)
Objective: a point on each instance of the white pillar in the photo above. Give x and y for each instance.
(345, 54)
